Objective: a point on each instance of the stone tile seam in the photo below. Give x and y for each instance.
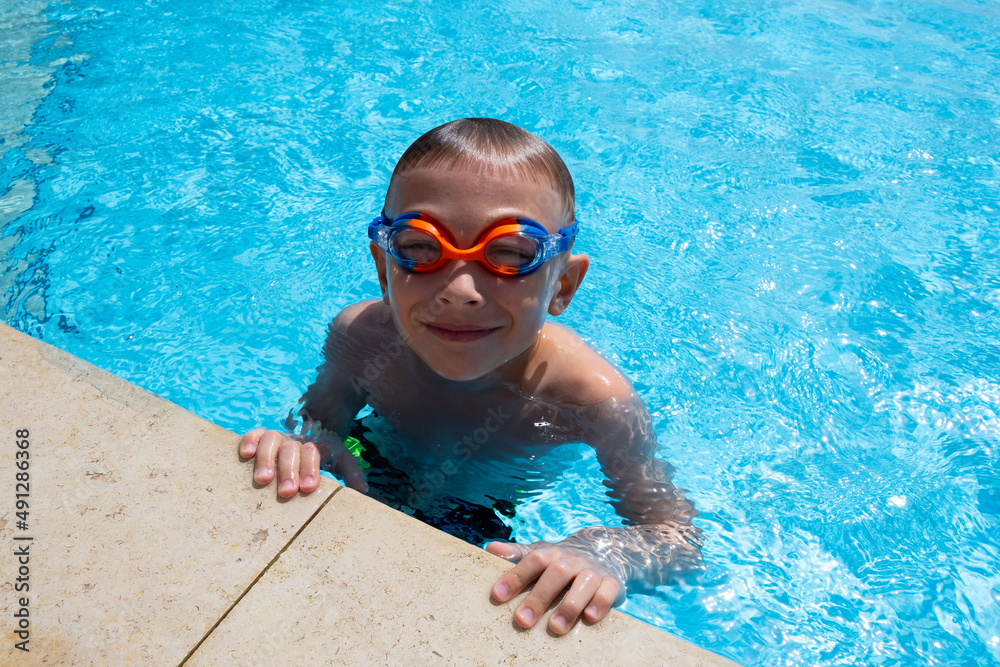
(260, 575)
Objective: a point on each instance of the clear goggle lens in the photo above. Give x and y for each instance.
(509, 254)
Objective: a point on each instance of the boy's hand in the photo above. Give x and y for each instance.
(297, 461)
(593, 589)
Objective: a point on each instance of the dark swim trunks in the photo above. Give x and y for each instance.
(472, 522)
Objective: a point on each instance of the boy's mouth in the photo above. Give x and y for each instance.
(459, 332)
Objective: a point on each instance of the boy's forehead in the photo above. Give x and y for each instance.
(472, 190)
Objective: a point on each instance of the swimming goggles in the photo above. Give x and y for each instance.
(509, 247)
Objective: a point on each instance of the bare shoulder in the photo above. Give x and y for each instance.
(355, 333)
(363, 318)
(605, 410)
(576, 374)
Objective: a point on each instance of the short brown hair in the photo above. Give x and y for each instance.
(495, 145)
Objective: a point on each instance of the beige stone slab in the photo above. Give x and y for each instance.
(145, 525)
(366, 585)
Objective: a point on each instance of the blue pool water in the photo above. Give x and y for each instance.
(792, 209)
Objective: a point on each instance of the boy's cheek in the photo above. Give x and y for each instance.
(379, 256)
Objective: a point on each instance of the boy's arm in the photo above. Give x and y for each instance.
(601, 565)
(329, 405)
(336, 397)
(661, 542)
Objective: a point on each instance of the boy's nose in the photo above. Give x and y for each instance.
(460, 286)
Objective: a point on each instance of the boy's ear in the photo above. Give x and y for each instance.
(379, 256)
(573, 273)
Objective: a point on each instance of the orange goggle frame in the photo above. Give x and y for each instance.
(509, 247)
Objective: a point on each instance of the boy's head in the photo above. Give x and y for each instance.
(467, 182)
(489, 145)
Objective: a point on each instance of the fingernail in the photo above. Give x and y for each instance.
(287, 485)
(307, 480)
(527, 616)
(503, 590)
(592, 610)
(559, 620)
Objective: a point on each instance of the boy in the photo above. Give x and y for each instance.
(472, 250)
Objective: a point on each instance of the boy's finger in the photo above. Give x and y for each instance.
(552, 582)
(507, 550)
(507, 585)
(248, 443)
(516, 579)
(347, 467)
(309, 467)
(289, 457)
(603, 600)
(580, 594)
(267, 452)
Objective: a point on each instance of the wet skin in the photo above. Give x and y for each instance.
(444, 348)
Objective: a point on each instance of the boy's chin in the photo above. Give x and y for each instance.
(469, 366)
(457, 371)
(461, 374)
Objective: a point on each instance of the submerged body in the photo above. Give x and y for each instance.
(517, 413)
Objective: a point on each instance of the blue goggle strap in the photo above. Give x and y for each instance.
(378, 231)
(566, 235)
